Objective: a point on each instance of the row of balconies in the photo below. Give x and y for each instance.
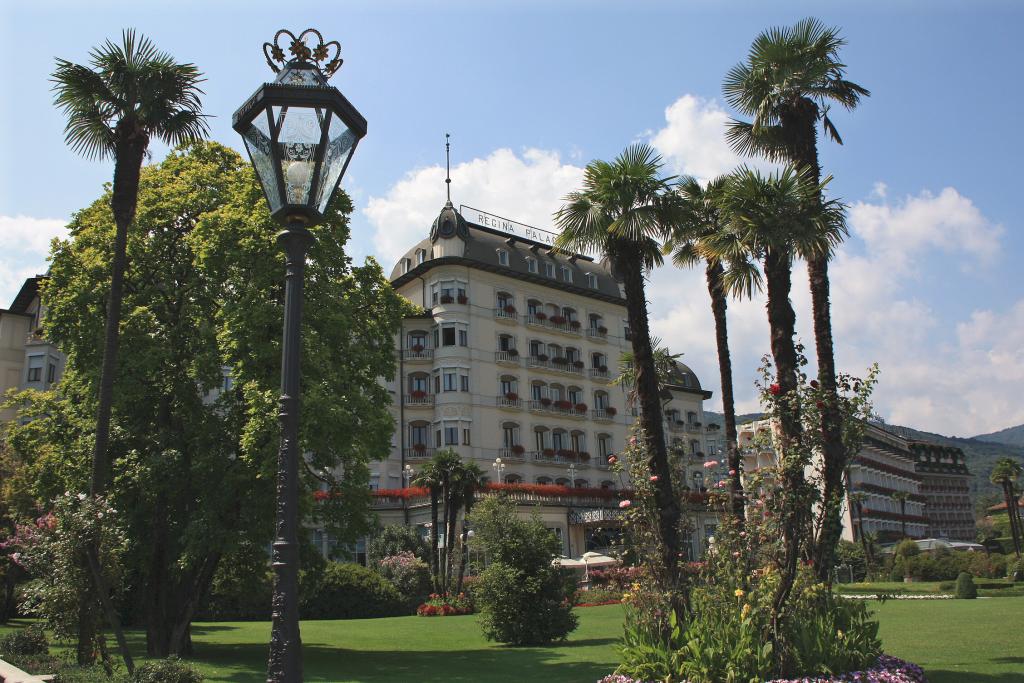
(683, 426)
(422, 399)
(547, 456)
(556, 323)
(511, 357)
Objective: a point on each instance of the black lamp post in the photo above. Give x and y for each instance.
(300, 134)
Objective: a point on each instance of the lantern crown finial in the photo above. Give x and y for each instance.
(326, 56)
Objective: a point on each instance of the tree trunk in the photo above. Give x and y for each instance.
(782, 321)
(433, 537)
(449, 540)
(903, 517)
(716, 288)
(630, 266)
(464, 558)
(1012, 516)
(446, 499)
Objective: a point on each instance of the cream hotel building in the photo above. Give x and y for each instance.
(512, 367)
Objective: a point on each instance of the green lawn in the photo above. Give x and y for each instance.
(957, 641)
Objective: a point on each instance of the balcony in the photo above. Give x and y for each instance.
(419, 452)
(507, 314)
(510, 357)
(422, 355)
(550, 456)
(556, 323)
(512, 454)
(564, 408)
(597, 333)
(558, 364)
(603, 414)
(416, 400)
(510, 401)
(599, 375)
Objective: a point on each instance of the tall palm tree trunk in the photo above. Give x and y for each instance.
(669, 513)
(433, 537)
(782, 320)
(464, 553)
(1011, 514)
(716, 288)
(903, 517)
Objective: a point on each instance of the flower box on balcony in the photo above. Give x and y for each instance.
(542, 357)
(696, 424)
(564, 405)
(611, 411)
(512, 396)
(447, 299)
(418, 394)
(578, 364)
(566, 453)
(558, 320)
(419, 447)
(540, 316)
(548, 452)
(581, 407)
(518, 450)
(603, 368)
(511, 310)
(602, 330)
(417, 348)
(560, 360)
(584, 456)
(574, 324)
(545, 402)
(463, 300)
(512, 353)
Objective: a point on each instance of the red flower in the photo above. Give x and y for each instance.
(814, 384)
(775, 389)
(820, 404)
(612, 460)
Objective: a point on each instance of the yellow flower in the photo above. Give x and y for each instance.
(840, 634)
(745, 612)
(739, 593)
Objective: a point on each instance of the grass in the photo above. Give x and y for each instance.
(996, 588)
(956, 641)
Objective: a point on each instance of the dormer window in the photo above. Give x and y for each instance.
(531, 264)
(421, 256)
(566, 274)
(502, 257)
(549, 270)
(407, 265)
(591, 281)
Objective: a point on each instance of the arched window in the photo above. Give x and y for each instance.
(600, 400)
(417, 340)
(569, 314)
(510, 434)
(533, 306)
(509, 385)
(544, 481)
(572, 356)
(596, 321)
(574, 395)
(604, 445)
(608, 485)
(562, 481)
(419, 384)
(578, 441)
(554, 351)
(419, 435)
(506, 342)
(581, 484)
(504, 300)
(539, 391)
(559, 439)
(513, 479)
(541, 438)
(556, 392)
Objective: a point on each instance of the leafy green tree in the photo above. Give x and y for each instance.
(689, 246)
(623, 212)
(787, 84)
(195, 418)
(1005, 475)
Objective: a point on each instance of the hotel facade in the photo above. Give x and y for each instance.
(512, 366)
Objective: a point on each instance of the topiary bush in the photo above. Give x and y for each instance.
(352, 591)
(965, 588)
(170, 670)
(25, 641)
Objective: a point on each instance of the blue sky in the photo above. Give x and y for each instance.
(927, 284)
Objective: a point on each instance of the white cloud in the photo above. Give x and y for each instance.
(26, 243)
(526, 188)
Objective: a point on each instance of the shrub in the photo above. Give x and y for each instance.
(26, 641)
(395, 539)
(170, 670)
(965, 588)
(409, 575)
(523, 600)
(352, 591)
(598, 596)
(1015, 570)
(87, 674)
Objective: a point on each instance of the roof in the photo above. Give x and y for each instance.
(26, 294)
(682, 378)
(481, 252)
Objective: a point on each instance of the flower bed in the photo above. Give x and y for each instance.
(445, 606)
(886, 670)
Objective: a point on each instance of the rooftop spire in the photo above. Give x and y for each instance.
(448, 165)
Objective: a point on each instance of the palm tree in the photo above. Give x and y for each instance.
(623, 212)
(1005, 474)
(771, 218)
(791, 77)
(470, 480)
(429, 477)
(901, 498)
(129, 94)
(689, 247)
(664, 366)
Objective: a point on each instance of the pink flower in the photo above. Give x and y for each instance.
(625, 504)
(732, 473)
(632, 441)
(736, 554)
(743, 534)
(710, 463)
(612, 460)
(654, 477)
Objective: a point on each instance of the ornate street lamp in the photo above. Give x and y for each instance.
(500, 467)
(300, 134)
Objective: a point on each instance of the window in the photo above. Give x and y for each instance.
(578, 441)
(502, 257)
(407, 264)
(504, 300)
(591, 280)
(418, 383)
(463, 338)
(451, 435)
(536, 348)
(566, 274)
(549, 270)
(575, 395)
(597, 360)
(531, 264)
(537, 391)
(51, 373)
(421, 256)
(600, 400)
(464, 382)
(448, 336)
(510, 434)
(506, 342)
(508, 385)
(604, 445)
(35, 368)
(465, 437)
(417, 340)
(450, 378)
(558, 441)
(418, 434)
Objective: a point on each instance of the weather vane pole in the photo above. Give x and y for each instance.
(448, 164)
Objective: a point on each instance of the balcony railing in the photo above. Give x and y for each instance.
(506, 402)
(560, 459)
(549, 406)
(506, 315)
(513, 454)
(603, 414)
(419, 453)
(421, 355)
(509, 357)
(570, 327)
(598, 374)
(419, 401)
(596, 334)
(562, 365)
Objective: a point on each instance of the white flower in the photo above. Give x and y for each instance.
(81, 496)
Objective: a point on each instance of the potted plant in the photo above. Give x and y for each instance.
(578, 364)
(540, 315)
(566, 453)
(463, 299)
(574, 324)
(548, 452)
(417, 348)
(418, 393)
(584, 456)
(510, 309)
(512, 353)
(447, 299)
(581, 407)
(612, 412)
(563, 404)
(602, 330)
(560, 360)
(419, 447)
(518, 450)
(558, 319)
(512, 396)
(542, 357)
(545, 401)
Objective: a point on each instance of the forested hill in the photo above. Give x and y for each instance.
(981, 451)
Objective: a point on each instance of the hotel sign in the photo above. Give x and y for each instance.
(507, 226)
